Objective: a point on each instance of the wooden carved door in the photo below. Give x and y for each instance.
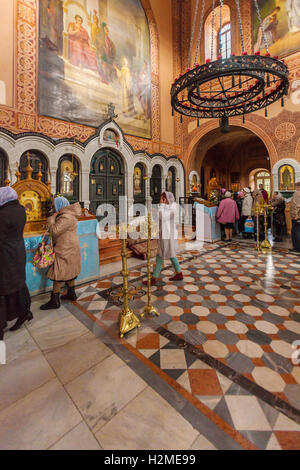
(106, 180)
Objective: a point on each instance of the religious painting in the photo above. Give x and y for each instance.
(66, 178)
(170, 181)
(7, 56)
(110, 136)
(99, 190)
(137, 181)
(281, 25)
(286, 178)
(94, 54)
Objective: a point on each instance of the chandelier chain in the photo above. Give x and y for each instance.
(262, 26)
(200, 32)
(240, 24)
(193, 33)
(212, 31)
(221, 24)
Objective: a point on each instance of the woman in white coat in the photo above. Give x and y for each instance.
(167, 243)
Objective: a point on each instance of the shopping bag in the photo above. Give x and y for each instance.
(44, 255)
(249, 226)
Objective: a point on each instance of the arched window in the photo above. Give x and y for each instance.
(225, 41)
(67, 178)
(139, 192)
(214, 31)
(36, 158)
(264, 178)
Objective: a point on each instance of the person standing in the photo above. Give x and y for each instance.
(62, 226)
(264, 193)
(14, 295)
(279, 223)
(246, 207)
(167, 242)
(295, 216)
(227, 215)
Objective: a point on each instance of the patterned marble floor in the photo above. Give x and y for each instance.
(223, 340)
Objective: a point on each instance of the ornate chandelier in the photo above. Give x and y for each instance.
(227, 87)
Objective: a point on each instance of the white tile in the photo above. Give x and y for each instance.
(246, 413)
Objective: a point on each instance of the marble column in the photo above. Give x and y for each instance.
(85, 188)
(53, 170)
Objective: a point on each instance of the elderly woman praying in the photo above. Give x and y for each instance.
(62, 226)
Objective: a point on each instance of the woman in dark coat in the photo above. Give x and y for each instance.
(14, 295)
(279, 223)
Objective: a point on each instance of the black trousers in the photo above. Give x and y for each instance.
(296, 235)
(13, 306)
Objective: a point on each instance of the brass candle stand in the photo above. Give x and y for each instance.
(149, 309)
(128, 320)
(265, 245)
(257, 210)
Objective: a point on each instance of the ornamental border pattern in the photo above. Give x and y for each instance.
(24, 117)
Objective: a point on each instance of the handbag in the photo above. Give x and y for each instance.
(44, 255)
(249, 226)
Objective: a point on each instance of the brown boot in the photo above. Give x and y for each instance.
(177, 277)
(153, 281)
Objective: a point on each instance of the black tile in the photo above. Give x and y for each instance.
(276, 362)
(288, 336)
(258, 337)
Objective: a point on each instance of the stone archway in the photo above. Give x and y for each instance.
(232, 156)
(199, 133)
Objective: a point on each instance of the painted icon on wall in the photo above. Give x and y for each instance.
(281, 26)
(91, 56)
(66, 178)
(110, 136)
(99, 190)
(137, 180)
(286, 178)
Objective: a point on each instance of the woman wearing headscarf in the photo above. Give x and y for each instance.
(246, 208)
(278, 212)
(227, 215)
(167, 242)
(239, 203)
(14, 295)
(62, 226)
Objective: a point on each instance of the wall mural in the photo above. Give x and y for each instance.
(281, 22)
(92, 53)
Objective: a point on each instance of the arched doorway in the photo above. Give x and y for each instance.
(264, 178)
(3, 167)
(36, 158)
(67, 177)
(229, 157)
(155, 184)
(106, 180)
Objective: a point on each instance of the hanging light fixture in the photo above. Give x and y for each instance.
(228, 87)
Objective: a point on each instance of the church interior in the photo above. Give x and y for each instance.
(118, 111)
